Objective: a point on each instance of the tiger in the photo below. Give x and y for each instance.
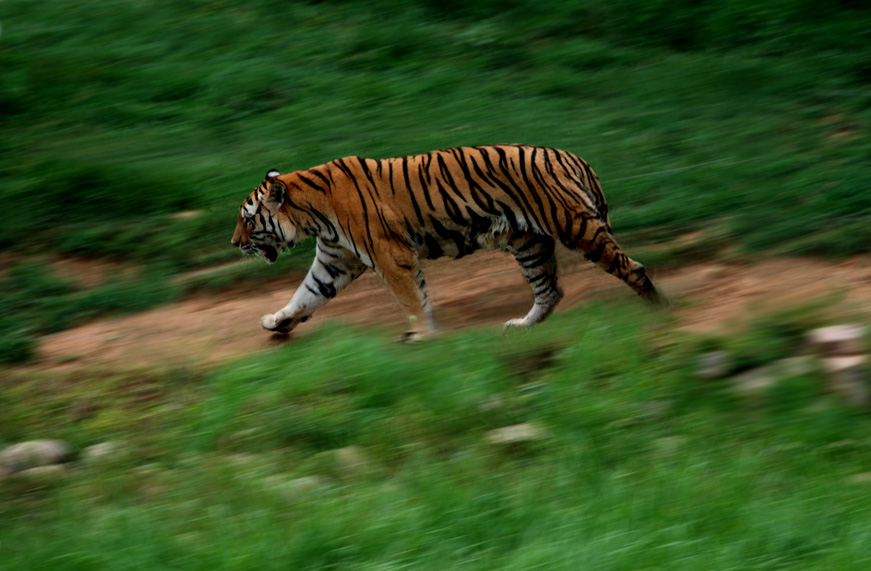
(388, 214)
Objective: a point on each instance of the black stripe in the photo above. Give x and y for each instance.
(327, 289)
(598, 231)
(545, 187)
(463, 247)
(312, 184)
(596, 254)
(390, 177)
(562, 196)
(449, 179)
(366, 172)
(334, 271)
(534, 241)
(426, 163)
(350, 236)
(508, 213)
(350, 175)
(615, 265)
(482, 199)
(388, 229)
(321, 176)
(404, 161)
(560, 158)
(329, 228)
(376, 199)
(494, 180)
(581, 231)
(535, 188)
(423, 175)
(434, 249)
(535, 259)
(333, 255)
(521, 159)
(450, 206)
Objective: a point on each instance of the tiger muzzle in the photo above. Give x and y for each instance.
(270, 253)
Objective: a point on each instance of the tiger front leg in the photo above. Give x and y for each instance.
(334, 268)
(400, 269)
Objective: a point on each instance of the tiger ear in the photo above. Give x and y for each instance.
(277, 193)
(272, 173)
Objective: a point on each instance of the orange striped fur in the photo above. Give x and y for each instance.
(387, 214)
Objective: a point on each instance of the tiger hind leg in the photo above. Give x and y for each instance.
(599, 246)
(537, 259)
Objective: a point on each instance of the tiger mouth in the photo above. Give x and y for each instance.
(270, 253)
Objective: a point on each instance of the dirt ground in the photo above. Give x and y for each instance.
(483, 289)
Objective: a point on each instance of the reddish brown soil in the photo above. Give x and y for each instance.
(483, 289)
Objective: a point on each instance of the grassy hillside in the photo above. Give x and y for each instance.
(642, 466)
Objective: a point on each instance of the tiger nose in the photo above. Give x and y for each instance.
(235, 242)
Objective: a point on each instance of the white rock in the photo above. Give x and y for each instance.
(516, 434)
(34, 453)
(849, 376)
(493, 403)
(669, 445)
(860, 478)
(352, 461)
(755, 382)
(297, 488)
(712, 365)
(838, 340)
(42, 473)
(844, 363)
(242, 459)
(101, 452)
(149, 469)
(796, 366)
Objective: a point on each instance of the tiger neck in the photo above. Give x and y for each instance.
(308, 203)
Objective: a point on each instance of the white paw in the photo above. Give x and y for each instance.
(517, 323)
(413, 336)
(269, 322)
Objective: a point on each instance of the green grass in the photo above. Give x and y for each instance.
(135, 117)
(643, 466)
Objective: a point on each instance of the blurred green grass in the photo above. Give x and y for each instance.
(643, 465)
(115, 115)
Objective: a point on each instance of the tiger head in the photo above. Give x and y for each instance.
(264, 224)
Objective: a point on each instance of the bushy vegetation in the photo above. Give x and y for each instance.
(642, 465)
